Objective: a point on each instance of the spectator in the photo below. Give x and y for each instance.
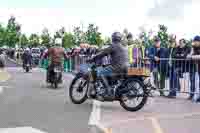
(134, 52)
(181, 65)
(2, 59)
(173, 79)
(158, 65)
(195, 56)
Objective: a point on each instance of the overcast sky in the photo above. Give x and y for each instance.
(181, 16)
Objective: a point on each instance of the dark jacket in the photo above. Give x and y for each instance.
(162, 54)
(181, 62)
(118, 55)
(26, 57)
(195, 62)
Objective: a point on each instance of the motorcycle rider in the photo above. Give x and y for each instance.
(119, 60)
(56, 53)
(27, 57)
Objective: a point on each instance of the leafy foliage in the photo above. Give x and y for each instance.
(23, 40)
(45, 38)
(68, 40)
(79, 36)
(34, 40)
(93, 35)
(163, 35)
(10, 35)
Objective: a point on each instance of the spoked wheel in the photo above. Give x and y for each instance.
(136, 98)
(78, 90)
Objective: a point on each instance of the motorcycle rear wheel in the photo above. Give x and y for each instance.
(143, 96)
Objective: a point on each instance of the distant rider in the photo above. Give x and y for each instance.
(27, 57)
(56, 54)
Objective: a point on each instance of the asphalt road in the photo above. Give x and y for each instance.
(10, 63)
(27, 101)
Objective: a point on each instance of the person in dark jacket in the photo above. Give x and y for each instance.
(119, 60)
(181, 53)
(180, 65)
(173, 78)
(158, 64)
(27, 57)
(195, 57)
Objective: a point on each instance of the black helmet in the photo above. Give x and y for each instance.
(116, 37)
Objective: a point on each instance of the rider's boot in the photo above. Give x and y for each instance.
(110, 93)
(91, 90)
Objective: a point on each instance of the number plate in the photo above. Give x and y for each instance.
(57, 70)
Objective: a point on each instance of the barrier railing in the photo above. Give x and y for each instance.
(167, 75)
(176, 76)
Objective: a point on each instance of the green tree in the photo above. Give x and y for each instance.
(12, 32)
(163, 35)
(34, 40)
(93, 35)
(59, 33)
(79, 36)
(107, 40)
(68, 40)
(23, 40)
(45, 37)
(2, 35)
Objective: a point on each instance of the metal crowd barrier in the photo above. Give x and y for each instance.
(169, 75)
(174, 76)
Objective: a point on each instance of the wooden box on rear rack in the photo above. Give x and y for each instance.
(145, 72)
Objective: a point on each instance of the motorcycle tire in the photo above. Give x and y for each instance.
(143, 101)
(71, 89)
(27, 69)
(55, 85)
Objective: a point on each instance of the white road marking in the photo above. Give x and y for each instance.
(21, 130)
(95, 114)
(95, 117)
(156, 125)
(1, 89)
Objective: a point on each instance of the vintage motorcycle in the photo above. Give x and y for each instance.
(126, 87)
(55, 76)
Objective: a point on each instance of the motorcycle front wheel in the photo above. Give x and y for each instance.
(137, 90)
(78, 86)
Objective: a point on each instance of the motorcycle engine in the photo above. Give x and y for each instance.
(100, 89)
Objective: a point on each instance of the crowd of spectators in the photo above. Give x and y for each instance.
(172, 63)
